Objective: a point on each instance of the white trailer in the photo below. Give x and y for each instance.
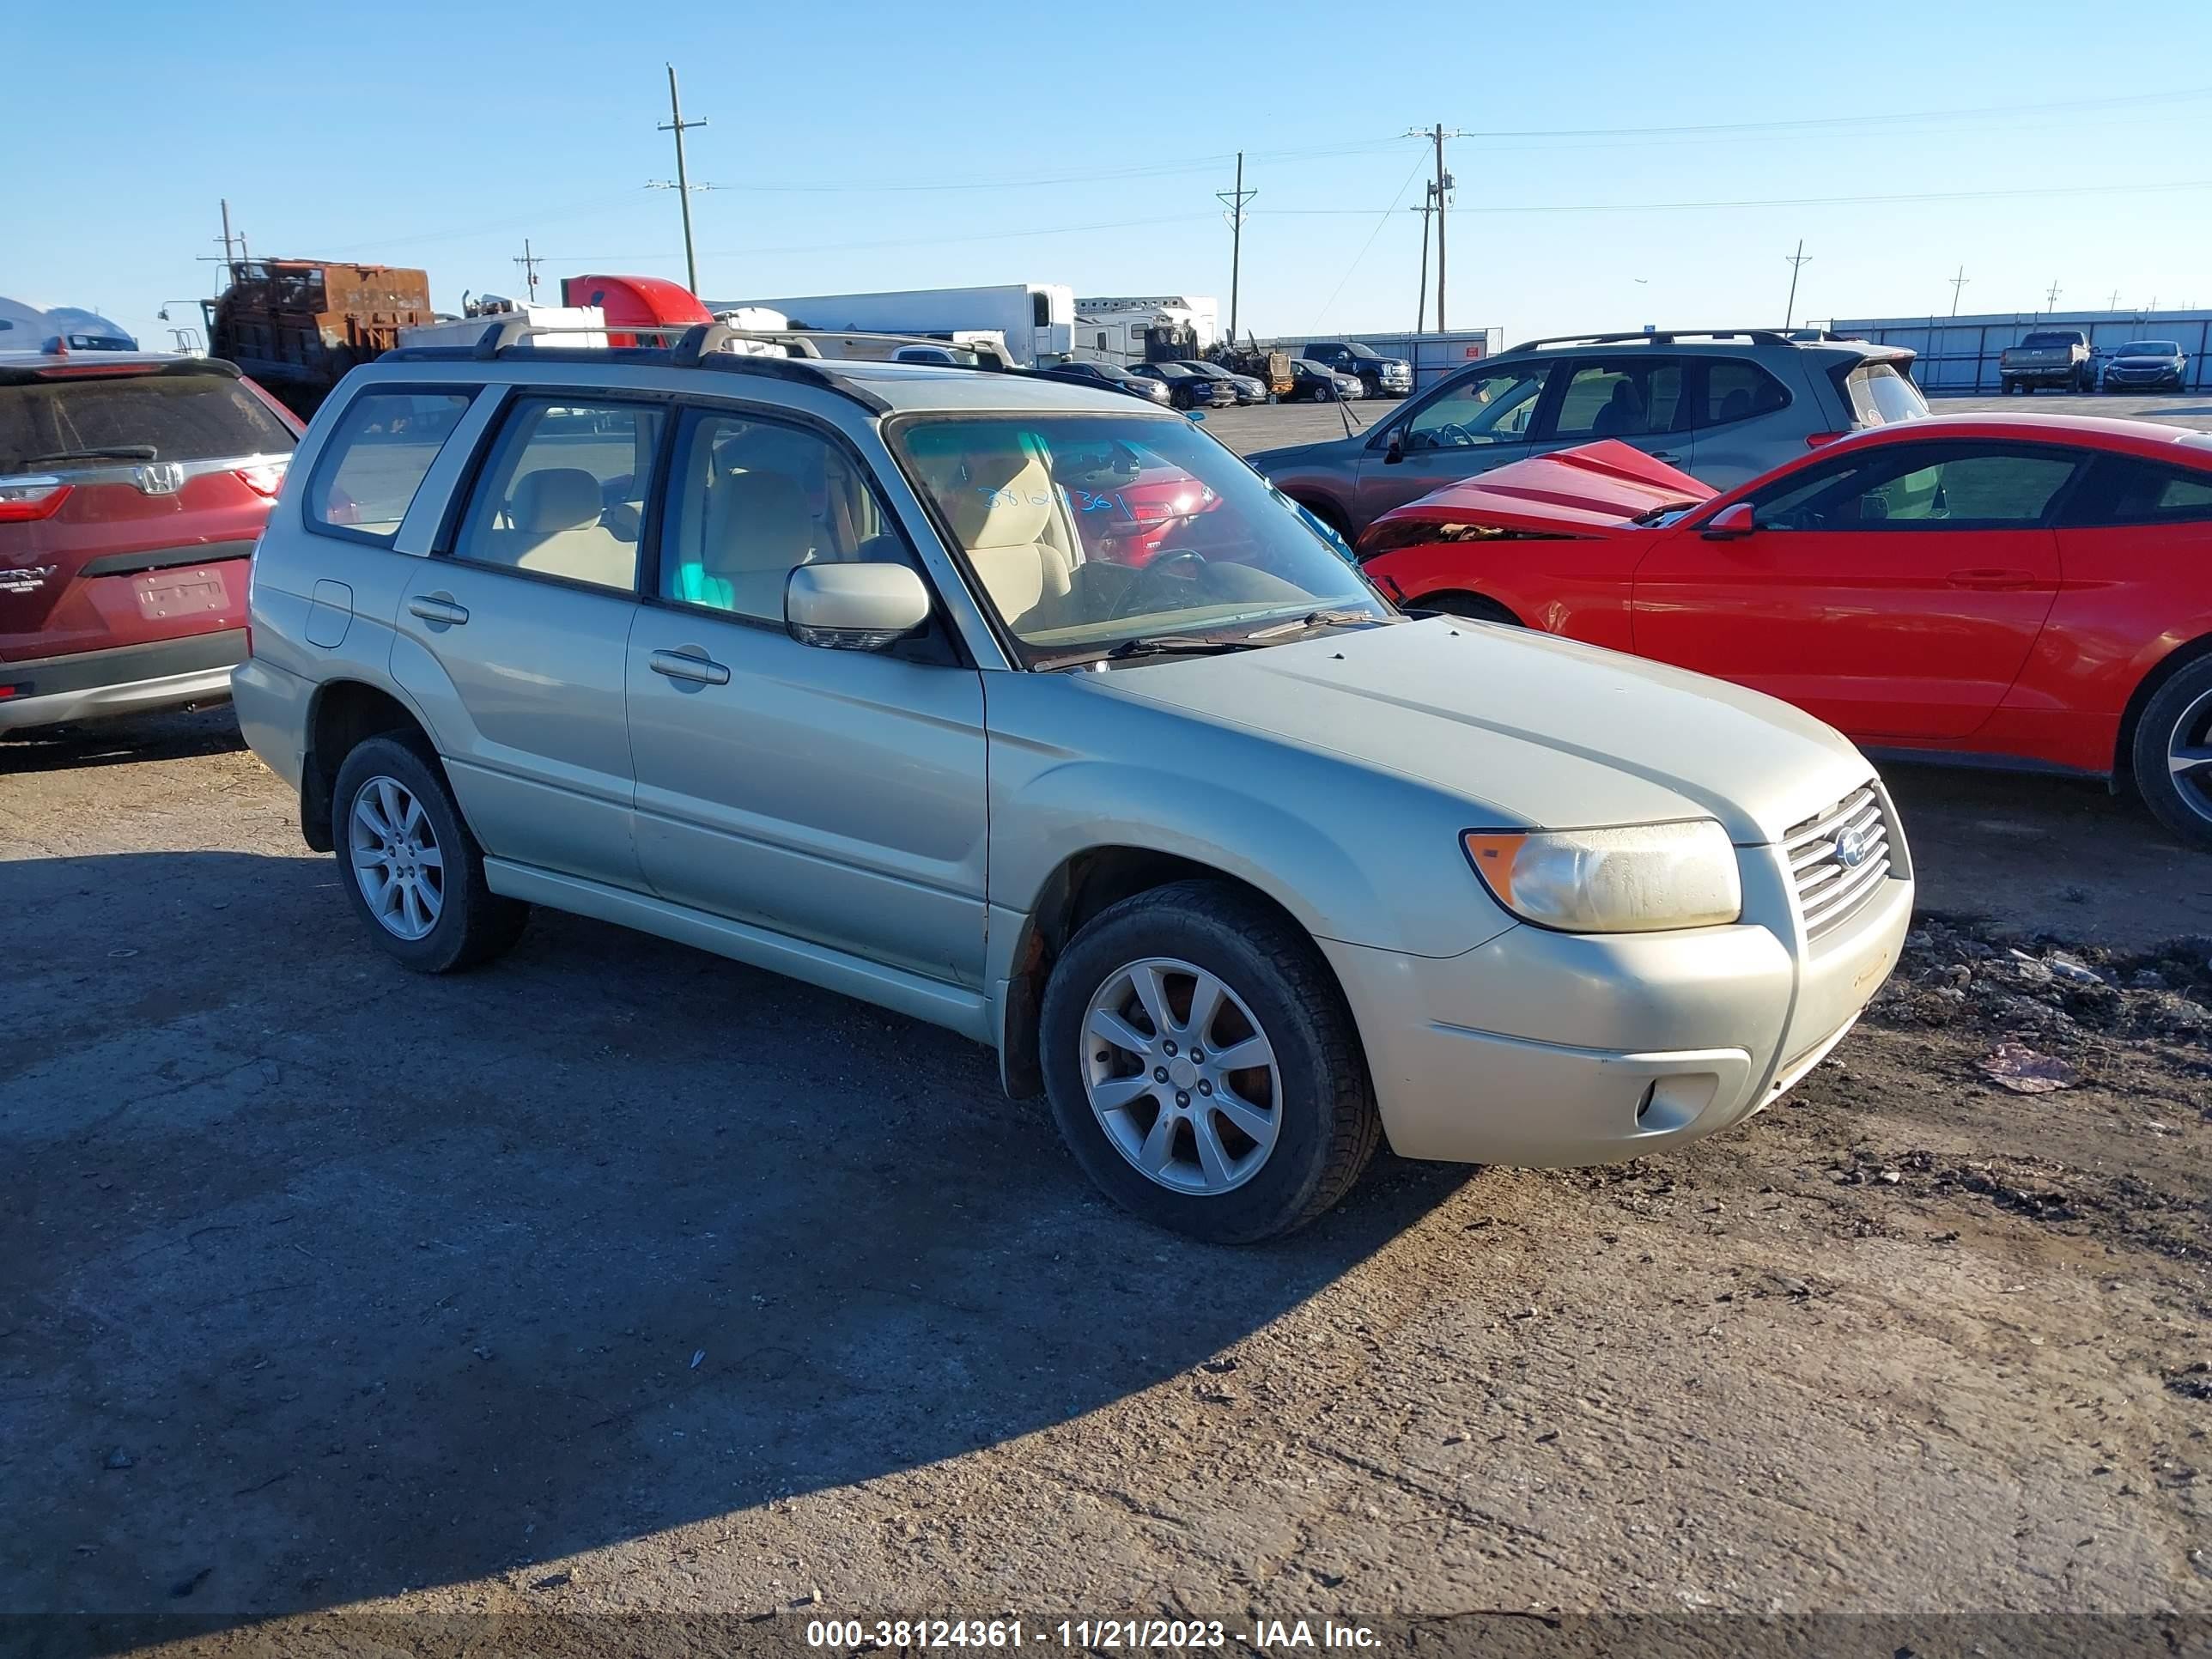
(1200, 313)
(1036, 319)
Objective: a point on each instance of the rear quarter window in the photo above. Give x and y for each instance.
(1879, 395)
(2123, 489)
(376, 459)
(1737, 390)
(179, 417)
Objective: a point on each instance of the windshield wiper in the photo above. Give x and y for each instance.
(1653, 515)
(111, 453)
(1177, 645)
(1340, 617)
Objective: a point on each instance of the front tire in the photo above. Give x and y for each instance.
(1203, 1068)
(413, 871)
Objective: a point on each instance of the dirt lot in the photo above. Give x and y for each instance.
(617, 1278)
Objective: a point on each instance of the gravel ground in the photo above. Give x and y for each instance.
(620, 1279)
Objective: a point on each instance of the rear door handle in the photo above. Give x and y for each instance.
(437, 608)
(1992, 579)
(689, 665)
(1668, 456)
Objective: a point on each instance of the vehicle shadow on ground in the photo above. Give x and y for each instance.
(180, 736)
(328, 1281)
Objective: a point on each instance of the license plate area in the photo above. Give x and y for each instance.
(164, 595)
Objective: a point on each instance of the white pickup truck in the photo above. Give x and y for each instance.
(2050, 356)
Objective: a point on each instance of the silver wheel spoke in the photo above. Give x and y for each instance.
(1260, 1125)
(2189, 761)
(388, 798)
(411, 820)
(1144, 979)
(1204, 1002)
(371, 818)
(1115, 1094)
(1159, 1145)
(1241, 1056)
(1105, 1023)
(1213, 1156)
(429, 857)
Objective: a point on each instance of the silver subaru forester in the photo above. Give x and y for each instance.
(1025, 709)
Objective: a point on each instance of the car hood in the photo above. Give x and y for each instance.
(1532, 730)
(2156, 359)
(1596, 489)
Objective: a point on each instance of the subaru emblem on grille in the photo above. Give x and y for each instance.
(1850, 849)
(160, 477)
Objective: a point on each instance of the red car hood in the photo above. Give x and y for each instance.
(1593, 489)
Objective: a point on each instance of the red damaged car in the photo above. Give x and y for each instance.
(133, 488)
(2032, 588)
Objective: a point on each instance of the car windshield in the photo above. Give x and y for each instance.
(2040, 340)
(2147, 348)
(1086, 532)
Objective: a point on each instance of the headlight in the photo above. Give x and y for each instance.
(1636, 880)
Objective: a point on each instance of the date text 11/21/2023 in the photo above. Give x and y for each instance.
(1143, 1635)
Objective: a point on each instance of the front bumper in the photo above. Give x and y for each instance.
(128, 680)
(1558, 1049)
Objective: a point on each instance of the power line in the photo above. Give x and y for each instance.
(1783, 201)
(1382, 220)
(2132, 101)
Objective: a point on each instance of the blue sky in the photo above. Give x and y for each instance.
(876, 145)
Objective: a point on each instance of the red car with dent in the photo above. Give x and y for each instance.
(2033, 589)
(132, 488)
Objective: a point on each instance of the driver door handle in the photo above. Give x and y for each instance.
(1992, 579)
(1670, 457)
(438, 608)
(689, 665)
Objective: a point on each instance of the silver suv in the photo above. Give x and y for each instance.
(1724, 406)
(1025, 709)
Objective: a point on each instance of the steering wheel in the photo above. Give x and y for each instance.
(1452, 434)
(1182, 555)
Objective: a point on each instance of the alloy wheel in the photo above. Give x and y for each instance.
(2189, 755)
(1180, 1076)
(396, 858)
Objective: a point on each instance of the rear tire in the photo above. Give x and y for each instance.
(413, 873)
(1116, 1109)
(1473, 607)
(2176, 729)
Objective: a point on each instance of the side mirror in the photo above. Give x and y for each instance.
(854, 607)
(1729, 523)
(1396, 451)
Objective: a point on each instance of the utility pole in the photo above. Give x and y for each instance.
(1436, 135)
(1796, 260)
(1428, 206)
(1958, 282)
(2113, 304)
(226, 230)
(228, 258)
(676, 124)
(1233, 200)
(2050, 300)
(529, 264)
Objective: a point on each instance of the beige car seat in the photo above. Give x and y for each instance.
(759, 528)
(555, 528)
(1006, 513)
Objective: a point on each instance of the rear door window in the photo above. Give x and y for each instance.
(563, 494)
(1621, 397)
(375, 459)
(136, 417)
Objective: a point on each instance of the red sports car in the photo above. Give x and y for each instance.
(2034, 588)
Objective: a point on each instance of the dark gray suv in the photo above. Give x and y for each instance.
(1721, 405)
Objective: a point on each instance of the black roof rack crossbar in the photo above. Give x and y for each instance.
(1663, 337)
(698, 345)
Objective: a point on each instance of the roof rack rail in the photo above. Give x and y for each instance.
(691, 345)
(1663, 336)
